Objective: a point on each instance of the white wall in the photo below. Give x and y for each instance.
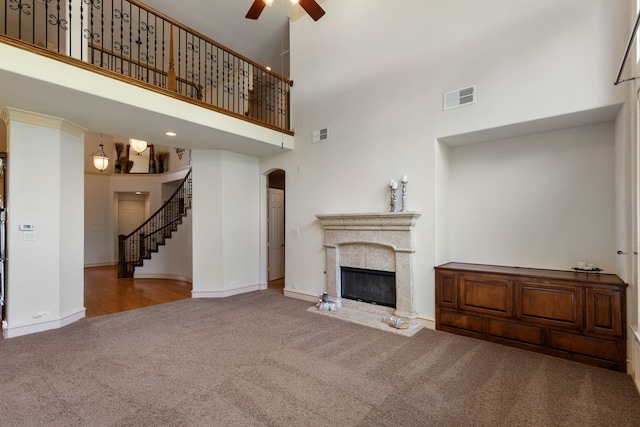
(45, 280)
(174, 259)
(541, 201)
(226, 223)
(376, 82)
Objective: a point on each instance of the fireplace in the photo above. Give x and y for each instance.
(370, 286)
(380, 242)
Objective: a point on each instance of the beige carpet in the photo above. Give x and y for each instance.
(261, 359)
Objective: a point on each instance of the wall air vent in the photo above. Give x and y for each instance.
(460, 97)
(319, 135)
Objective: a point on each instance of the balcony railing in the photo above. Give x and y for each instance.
(135, 41)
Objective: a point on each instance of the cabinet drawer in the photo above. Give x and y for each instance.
(515, 331)
(588, 346)
(549, 304)
(486, 294)
(458, 320)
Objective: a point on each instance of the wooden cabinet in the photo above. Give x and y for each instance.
(560, 313)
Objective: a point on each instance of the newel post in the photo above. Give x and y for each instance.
(122, 264)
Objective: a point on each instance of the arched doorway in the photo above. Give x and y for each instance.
(275, 222)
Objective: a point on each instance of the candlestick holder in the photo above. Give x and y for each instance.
(394, 198)
(404, 195)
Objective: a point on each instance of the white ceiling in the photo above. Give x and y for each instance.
(262, 40)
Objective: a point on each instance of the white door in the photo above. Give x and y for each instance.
(130, 215)
(276, 234)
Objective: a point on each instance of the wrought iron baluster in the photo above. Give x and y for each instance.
(33, 23)
(70, 39)
(46, 27)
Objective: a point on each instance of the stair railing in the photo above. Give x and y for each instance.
(138, 245)
(133, 42)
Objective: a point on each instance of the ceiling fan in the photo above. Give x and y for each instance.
(310, 6)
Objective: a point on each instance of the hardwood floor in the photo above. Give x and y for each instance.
(104, 293)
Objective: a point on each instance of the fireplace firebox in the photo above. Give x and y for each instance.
(371, 286)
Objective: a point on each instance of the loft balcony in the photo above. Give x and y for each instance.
(120, 67)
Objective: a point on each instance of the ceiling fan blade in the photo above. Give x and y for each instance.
(312, 8)
(256, 9)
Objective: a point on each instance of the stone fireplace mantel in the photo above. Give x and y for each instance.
(376, 241)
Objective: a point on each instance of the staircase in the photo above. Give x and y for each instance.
(137, 246)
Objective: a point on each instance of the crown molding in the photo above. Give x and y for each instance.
(9, 114)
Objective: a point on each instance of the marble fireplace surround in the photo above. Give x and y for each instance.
(374, 241)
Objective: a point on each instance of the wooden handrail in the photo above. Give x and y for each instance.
(172, 79)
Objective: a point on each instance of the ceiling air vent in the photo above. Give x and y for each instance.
(460, 97)
(319, 135)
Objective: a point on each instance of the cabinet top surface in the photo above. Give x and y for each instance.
(609, 279)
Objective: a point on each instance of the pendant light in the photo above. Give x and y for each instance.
(138, 145)
(100, 160)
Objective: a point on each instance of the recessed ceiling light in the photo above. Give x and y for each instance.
(138, 192)
(171, 133)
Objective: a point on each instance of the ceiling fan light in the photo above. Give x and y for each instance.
(138, 145)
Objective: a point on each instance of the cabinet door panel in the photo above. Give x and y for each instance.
(486, 295)
(604, 308)
(447, 289)
(549, 304)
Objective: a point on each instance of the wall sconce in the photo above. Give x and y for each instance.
(100, 160)
(138, 145)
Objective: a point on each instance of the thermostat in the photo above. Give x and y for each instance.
(27, 227)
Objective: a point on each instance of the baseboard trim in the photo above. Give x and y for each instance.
(100, 264)
(162, 276)
(427, 322)
(301, 295)
(225, 292)
(16, 331)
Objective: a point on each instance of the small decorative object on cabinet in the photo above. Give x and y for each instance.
(575, 316)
